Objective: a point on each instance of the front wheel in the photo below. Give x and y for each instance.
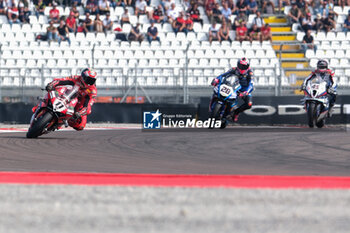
(311, 112)
(39, 125)
(215, 114)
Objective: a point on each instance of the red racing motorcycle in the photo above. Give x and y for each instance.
(53, 111)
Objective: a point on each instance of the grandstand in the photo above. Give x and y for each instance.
(180, 64)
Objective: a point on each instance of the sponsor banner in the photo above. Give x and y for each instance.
(282, 110)
(175, 117)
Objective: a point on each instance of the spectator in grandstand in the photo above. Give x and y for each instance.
(308, 42)
(224, 31)
(231, 5)
(152, 33)
(91, 7)
(12, 14)
(158, 15)
(186, 4)
(324, 9)
(135, 34)
(172, 13)
(71, 23)
(107, 23)
(283, 3)
(305, 9)
(189, 23)
(179, 24)
(346, 26)
(103, 7)
(344, 3)
(88, 24)
(316, 5)
(214, 33)
(125, 17)
(268, 7)
(120, 35)
(216, 14)
(307, 23)
(75, 12)
(242, 17)
(266, 33)
(242, 6)
(98, 25)
(294, 14)
(329, 23)
(242, 32)
(195, 14)
(2, 7)
(254, 33)
(258, 20)
(209, 6)
(51, 32)
(226, 12)
(140, 7)
(63, 33)
(23, 13)
(166, 4)
(252, 7)
(116, 3)
(54, 14)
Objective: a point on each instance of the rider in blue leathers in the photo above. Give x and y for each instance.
(244, 75)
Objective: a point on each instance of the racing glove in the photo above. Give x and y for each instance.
(214, 82)
(243, 94)
(303, 87)
(49, 87)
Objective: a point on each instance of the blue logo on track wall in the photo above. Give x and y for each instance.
(151, 120)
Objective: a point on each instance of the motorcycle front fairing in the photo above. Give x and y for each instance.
(316, 90)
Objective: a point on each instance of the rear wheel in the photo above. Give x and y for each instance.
(39, 125)
(320, 124)
(311, 112)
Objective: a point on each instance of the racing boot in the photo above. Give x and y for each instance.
(235, 117)
(330, 111)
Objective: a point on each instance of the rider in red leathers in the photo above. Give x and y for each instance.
(86, 96)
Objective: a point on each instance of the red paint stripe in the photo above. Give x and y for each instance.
(163, 180)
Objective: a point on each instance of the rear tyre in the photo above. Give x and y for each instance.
(321, 123)
(39, 125)
(311, 114)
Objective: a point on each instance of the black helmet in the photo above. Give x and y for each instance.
(322, 65)
(242, 65)
(88, 76)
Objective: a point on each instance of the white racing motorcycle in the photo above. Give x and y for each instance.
(316, 102)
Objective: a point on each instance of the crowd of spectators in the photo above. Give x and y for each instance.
(316, 15)
(98, 19)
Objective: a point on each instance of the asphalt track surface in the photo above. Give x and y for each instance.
(236, 150)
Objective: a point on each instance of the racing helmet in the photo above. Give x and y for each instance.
(88, 76)
(322, 65)
(242, 65)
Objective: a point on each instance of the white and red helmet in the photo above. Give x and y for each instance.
(88, 76)
(243, 65)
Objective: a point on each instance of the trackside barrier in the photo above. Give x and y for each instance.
(265, 111)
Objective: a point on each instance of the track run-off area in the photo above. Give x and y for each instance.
(124, 179)
(233, 157)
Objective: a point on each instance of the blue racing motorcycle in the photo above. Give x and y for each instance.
(224, 98)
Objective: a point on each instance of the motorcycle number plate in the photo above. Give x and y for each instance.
(225, 90)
